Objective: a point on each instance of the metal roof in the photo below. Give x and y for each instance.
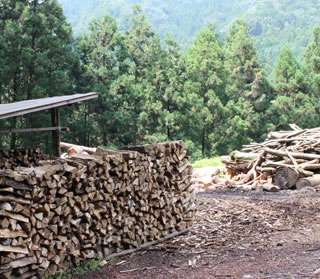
(24, 107)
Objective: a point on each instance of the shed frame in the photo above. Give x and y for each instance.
(51, 103)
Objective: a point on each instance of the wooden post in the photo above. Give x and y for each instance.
(56, 135)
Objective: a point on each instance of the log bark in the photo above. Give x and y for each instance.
(18, 263)
(270, 187)
(78, 148)
(12, 234)
(308, 182)
(297, 155)
(286, 178)
(13, 249)
(66, 211)
(242, 156)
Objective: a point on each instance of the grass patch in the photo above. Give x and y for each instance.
(213, 162)
(112, 261)
(90, 265)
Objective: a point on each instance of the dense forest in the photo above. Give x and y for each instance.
(271, 23)
(215, 95)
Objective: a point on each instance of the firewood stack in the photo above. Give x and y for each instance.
(288, 159)
(9, 159)
(63, 212)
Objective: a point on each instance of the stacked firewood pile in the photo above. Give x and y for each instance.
(10, 159)
(286, 160)
(62, 212)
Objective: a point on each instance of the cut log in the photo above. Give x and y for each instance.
(12, 234)
(297, 167)
(67, 211)
(241, 156)
(14, 184)
(12, 198)
(13, 249)
(18, 263)
(270, 187)
(297, 155)
(14, 216)
(77, 148)
(308, 182)
(286, 178)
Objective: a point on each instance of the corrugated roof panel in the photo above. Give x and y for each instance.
(24, 107)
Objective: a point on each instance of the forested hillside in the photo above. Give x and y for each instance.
(214, 95)
(182, 18)
(272, 23)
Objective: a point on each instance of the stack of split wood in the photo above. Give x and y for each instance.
(62, 212)
(10, 159)
(286, 160)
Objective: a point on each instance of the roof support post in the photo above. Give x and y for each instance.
(56, 135)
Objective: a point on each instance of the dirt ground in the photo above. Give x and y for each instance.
(236, 235)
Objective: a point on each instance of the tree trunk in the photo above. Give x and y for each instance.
(203, 141)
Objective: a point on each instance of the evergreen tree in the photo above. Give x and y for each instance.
(128, 70)
(241, 61)
(101, 52)
(294, 100)
(164, 104)
(247, 88)
(205, 90)
(312, 60)
(38, 57)
(174, 102)
(142, 79)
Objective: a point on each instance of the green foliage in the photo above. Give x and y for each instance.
(205, 90)
(312, 60)
(37, 57)
(215, 96)
(284, 22)
(100, 51)
(272, 23)
(139, 81)
(91, 265)
(206, 162)
(294, 102)
(112, 261)
(248, 91)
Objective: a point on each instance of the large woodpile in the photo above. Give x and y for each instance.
(61, 212)
(287, 159)
(10, 159)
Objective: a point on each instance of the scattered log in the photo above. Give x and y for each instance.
(287, 156)
(308, 182)
(286, 178)
(77, 148)
(242, 156)
(297, 155)
(270, 187)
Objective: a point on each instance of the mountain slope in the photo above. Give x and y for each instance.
(272, 23)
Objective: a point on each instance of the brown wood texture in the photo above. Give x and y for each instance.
(55, 214)
(287, 156)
